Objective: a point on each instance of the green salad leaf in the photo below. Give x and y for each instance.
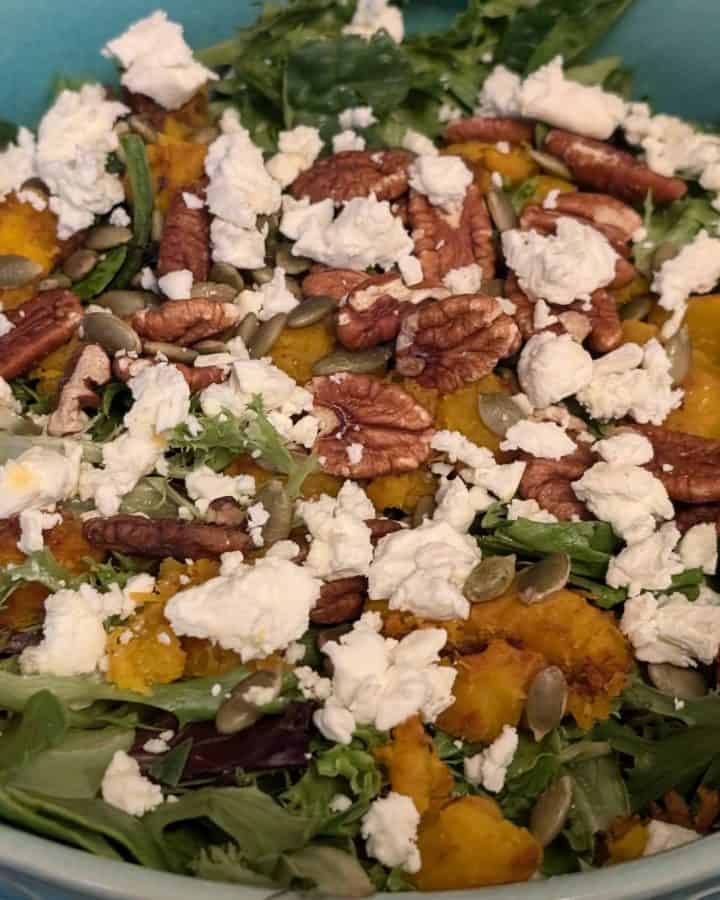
(42, 725)
(101, 276)
(599, 796)
(8, 133)
(41, 568)
(141, 199)
(679, 223)
(229, 864)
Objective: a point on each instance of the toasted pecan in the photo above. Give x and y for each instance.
(42, 324)
(158, 538)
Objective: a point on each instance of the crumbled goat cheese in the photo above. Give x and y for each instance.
(529, 509)
(549, 96)
(148, 280)
(17, 163)
(295, 651)
(551, 198)
(443, 179)
(7, 400)
(552, 367)
(489, 767)
(254, 611)
(313, 686)
(423, 570)
(382, 682)
(120, 218)
(38, 478)
(32, 197)
(464, 280)
(482, 469)
(6, 326)
(299, 148)
(390, 830)
(355, 453)
(156, 745)
(672, 629)
(192, 201)
(204, 485)
(268, 300)
(631, 499)
(124, 787)
(372, 16)
(301, 215)
(458, 505)
(543, 439)
(158, 62)
(339, 803)
(257, 518)
(177, 285)
(32, 524)
(695, 270)
(698, 548)
(348, 140)
(341, 544)
(243, 248)
(357, 117)
(562, 267)
(542, 317)
(631, 381)
(648, 564)
(411, 270)
(75, 138)
(448, 112)
(664, 836)
(365, 234)
(419, 143)
(625, 449)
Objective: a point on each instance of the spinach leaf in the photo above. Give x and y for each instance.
(168, 768)
(355, 765)
(41, 726)
(599, 796)
(141, 199)
(101, 276)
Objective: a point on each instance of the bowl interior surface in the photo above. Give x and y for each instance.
(672, 46)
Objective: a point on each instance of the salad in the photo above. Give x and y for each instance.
(359, 452)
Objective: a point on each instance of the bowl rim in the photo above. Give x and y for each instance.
(692, 865)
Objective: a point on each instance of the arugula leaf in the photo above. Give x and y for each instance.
(40, 568)
(42, 725)
(679, 224)
(115, 401)
(155, 497)
(8, 133)
(116, 570)
(533, 769)
(23, 390)
(599, 796)
(355, 765)
(267, 443)
(141, 198)
(168, 768)
(702, 712)
(101, 276)
(227, 864)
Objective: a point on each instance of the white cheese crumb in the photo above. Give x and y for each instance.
(348, 140)
(120, 218)
(648, 564)
(38, 479)
(489, 767)
(529, 509)
(156, 745)
(443, 179)
(695, 270)
(457, 505)
(390, 828)
(464, 280)
(482, 468)
(339, 803)
(357, 117)
(17, 163)
(552, 367)
(299, 148)
(205, 485)
(192, 201)
(543, 439)
(551, 198)
(664, 836)
(268, 300)
(698, 548)
(372, 16)
(419, 143)
(177, 285)
(295, 651)
(125, 788)
(32, 524)
(257, 518)
(625, 449)
(411, 270)
(313, 686)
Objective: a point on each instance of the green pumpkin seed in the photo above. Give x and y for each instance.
(546, 701)
(310, 311)
(501, 210)
(211, 290)
(54, 282)
(499, 412)
(205, 135)
(247, 329)
(110, 332)
(679, 349)
(550, 812)
(490, 578)
(244, 705)
(424, 509)
(157, 226)
(293, 265)
(638, 308)
(664, 252)
(293, 285)
(685, 684)
(266, 336)
(551, 164)
(278, 505)
(493, 287)
(272, 221)
(17, 271)
(544, 578)
(362, 361)
(105, 237)
(263, 276)
(80, 264)
(210, 346)
(125, 303)
(224, 273)
(173, 352)
(141, 127)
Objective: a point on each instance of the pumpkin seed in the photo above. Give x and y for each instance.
(110, 332)
(54, 282)
(293, 285)
(37, 185)
(499, 412)
(293, 265)
(546, 701)
(210, 346)
(501, 210)
(490, 578)
(157, 225)
(141, 127)
(424, 509)
(272, 221)
(263, 276)
(664, 252)
(310, 311)
(242, 709)
(346, 361)
(80, 264)
(17, 271)
(205, 135)
(544, 578)
(266, 335)
(551, 811)
(211, 290)
(126, 303)
(550, 164)
(278, 505)
(224, 273)
(638, 308)
(493, 287)
(679, 349)
(685, 684)
(173, 352)
(247, 328)
(105, 237)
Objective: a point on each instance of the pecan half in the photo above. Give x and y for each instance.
(691, 464)
(376, 307)
(335, 283)
(447, 343)
(393, 430)
(185, 242)
(225, 511)
(355, 173)
(698, 515)
(489, 130)
(42, 324)
(185, 321)
(445, 241)
(605, 168)
(197, 378)
(549, 481)
(340, 601)
(157, 538)
(603, 211)
(89, 366)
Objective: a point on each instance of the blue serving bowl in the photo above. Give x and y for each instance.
(672, 45)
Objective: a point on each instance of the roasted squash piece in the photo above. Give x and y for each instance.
(626, 840)
(459, 411)
(298, 349)
(636, 332)
(468, 844)
(27, 232)
(490, 691)
(700, 410)
(203, 658)
(413, 766)
(543, 184)
(703, 321)
(174, 576)
(515, 166)
(173, 165)
(401, 491)
(181, 124)
(144, 651)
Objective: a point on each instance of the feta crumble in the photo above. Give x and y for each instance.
(205, 485)
(299, 148)
(698, 548)
(372, 16)
(390, 828)
(543, 439)
(443, 179)
(489, 767)
(695, 270)
(125, 788)
(268, 300)
(648, 564)
(552, 367)
(177, 285)
(17, 163)
(38, 479)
